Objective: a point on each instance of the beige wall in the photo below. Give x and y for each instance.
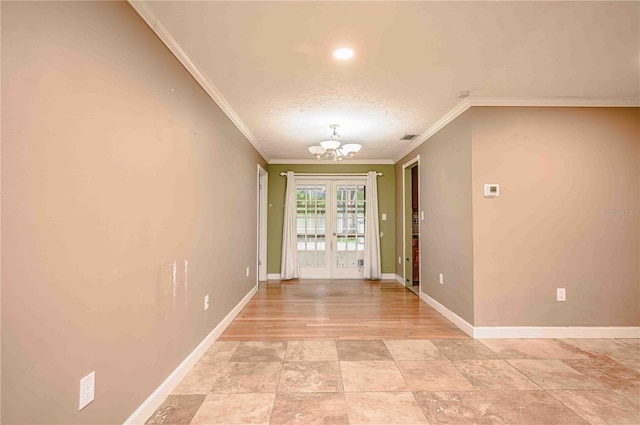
(115, 165)
(386, 205)
(567, 216)
(560, 170)
(446, 233)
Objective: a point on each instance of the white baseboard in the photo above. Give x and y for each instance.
(497, 332)
(464, 326)
(400, 279)
(524, 332)
(388, 276)
(273, 276)
(149, 406)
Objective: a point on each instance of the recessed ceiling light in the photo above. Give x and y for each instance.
(343, 54)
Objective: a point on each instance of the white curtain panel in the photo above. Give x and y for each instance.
(290, 269)
(371, 229)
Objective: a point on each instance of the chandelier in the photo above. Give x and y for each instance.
(331, 149)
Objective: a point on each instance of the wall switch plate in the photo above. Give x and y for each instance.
(87, 390)
(399, 260)
(384, 217)
(561, 294)
(441, 279)
(422, 215)
(206, 302)
(247, 271)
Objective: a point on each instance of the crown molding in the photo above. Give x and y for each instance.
(562, 102)
(587, 102)
(145, 12)
(439, 125)
(329, 162)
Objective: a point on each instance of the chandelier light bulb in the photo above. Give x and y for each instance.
(351, 147)
(317, 150)
(330, 145)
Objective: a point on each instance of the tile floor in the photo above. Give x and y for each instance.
(458, 382)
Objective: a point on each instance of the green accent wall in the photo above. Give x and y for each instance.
(386, 205)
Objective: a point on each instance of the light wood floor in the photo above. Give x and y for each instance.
(338, 309)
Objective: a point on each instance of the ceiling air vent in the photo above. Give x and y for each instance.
(408, 137)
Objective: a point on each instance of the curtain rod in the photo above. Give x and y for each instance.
(329, 174)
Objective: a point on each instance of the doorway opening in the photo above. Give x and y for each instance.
(411, 224)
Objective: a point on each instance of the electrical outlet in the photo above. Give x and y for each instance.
(206, 302)
(87, 390)
(561, 294)
(247, 271)
(441, 279)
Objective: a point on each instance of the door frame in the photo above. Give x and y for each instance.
(330, 223)
(408, 165)
(261, 243)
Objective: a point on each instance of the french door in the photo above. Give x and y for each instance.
(330, 227)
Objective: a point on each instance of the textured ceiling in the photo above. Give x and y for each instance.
(271, 62)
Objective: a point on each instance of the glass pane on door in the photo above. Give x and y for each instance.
(350, 217)
(311, 223)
